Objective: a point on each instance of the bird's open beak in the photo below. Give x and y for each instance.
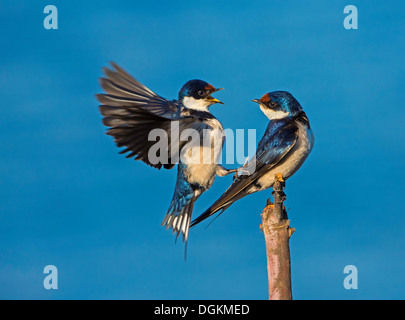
(213, 100)
(257, 101)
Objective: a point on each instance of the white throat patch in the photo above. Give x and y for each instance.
(274, 115)
(196, 104)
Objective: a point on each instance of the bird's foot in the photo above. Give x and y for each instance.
(279, 177)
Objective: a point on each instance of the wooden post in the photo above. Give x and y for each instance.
(277, 233)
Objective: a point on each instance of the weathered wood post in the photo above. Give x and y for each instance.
(277, 233)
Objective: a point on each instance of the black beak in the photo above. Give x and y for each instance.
(257, 101)
(216, 90)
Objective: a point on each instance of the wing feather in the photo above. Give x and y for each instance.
(270, 152)
(132, 111)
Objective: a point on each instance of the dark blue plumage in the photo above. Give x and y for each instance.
(281, 101)
(194, 88)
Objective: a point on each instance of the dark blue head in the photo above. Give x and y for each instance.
(196, 94)
(279, 104)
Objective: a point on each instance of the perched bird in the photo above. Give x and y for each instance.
(286, 144)
(132, 111)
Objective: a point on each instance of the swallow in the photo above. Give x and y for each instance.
(132, 111)
(286, 144)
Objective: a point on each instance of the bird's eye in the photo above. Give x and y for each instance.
(201, 93)
(273, 104)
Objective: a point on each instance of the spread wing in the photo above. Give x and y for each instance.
(270, 152)
(123, 91)
(134, 130)
(132, 111)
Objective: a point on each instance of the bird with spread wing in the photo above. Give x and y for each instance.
(132, 112)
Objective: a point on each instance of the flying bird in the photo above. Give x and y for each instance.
(132, 111)
(287, 142)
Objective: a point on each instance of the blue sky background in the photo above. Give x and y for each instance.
(68, 199)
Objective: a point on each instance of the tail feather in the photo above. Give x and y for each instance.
(178, 219)
(219, 205)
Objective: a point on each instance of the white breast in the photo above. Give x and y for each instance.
(295, 159)
(202, 160)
